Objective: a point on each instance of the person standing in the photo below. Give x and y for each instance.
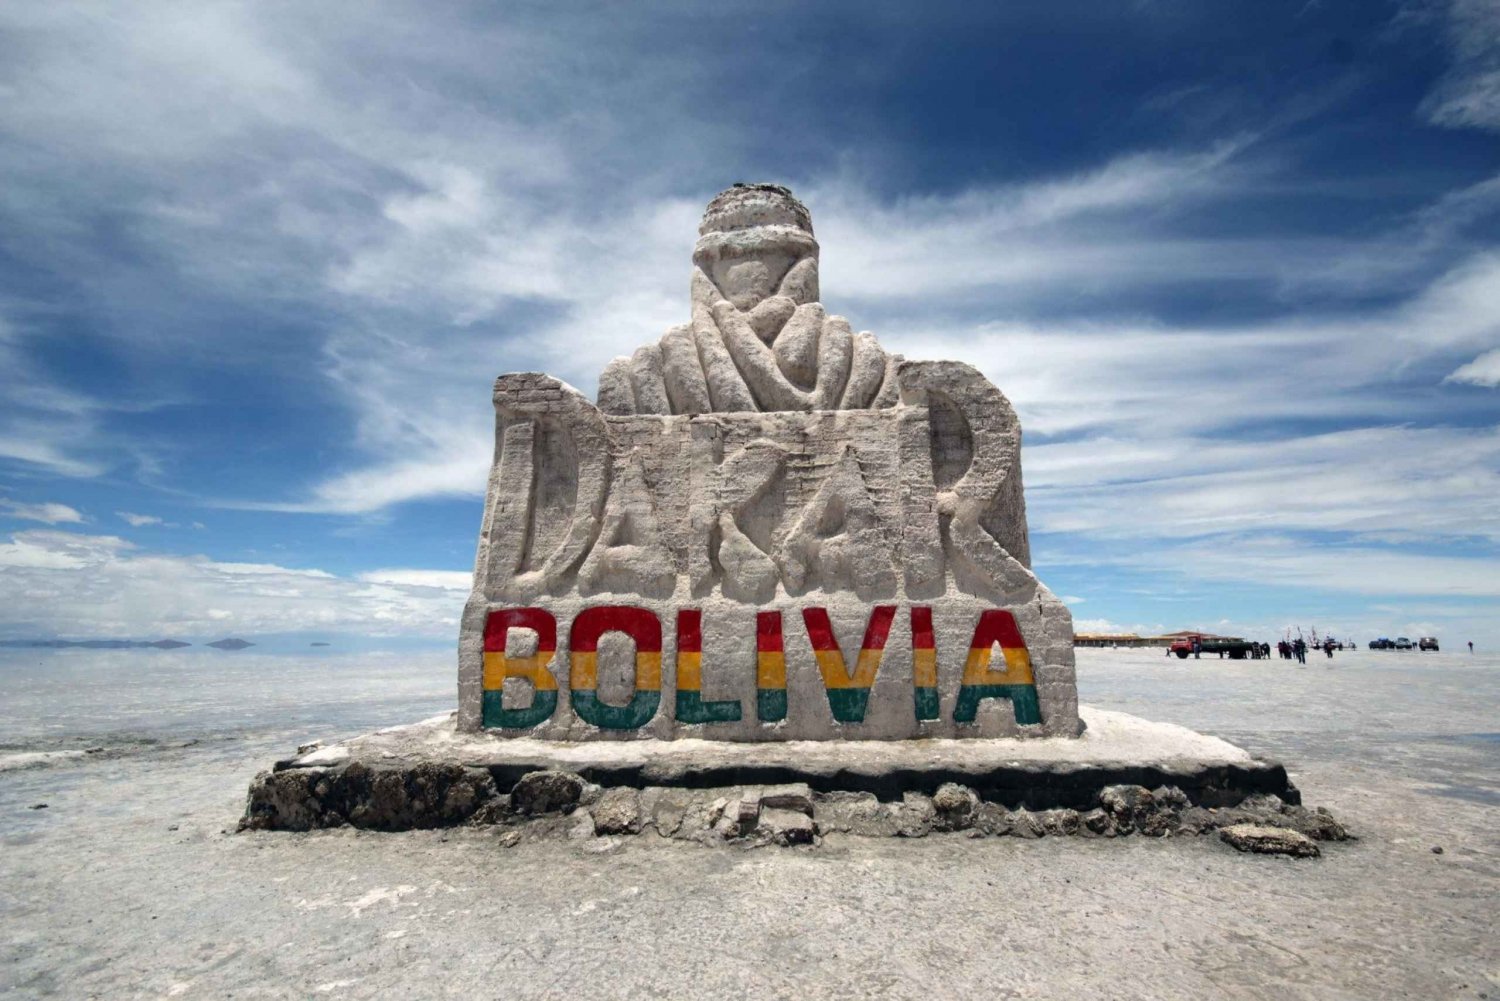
(1300, 649)
(1471, 646)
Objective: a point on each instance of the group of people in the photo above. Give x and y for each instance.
(1297, 649)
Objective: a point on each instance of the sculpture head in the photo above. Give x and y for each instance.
(751, 236)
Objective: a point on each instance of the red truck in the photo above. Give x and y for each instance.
(1237, 649)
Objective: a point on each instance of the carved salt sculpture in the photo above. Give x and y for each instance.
(767, 528)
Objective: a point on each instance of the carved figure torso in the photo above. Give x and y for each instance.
(759, 340)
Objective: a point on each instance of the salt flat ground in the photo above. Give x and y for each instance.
(127, 884)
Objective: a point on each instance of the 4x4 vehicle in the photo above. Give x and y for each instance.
(1381, 644)
(1427, 643)
(1402, 643)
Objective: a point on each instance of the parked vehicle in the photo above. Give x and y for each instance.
(1381, 644)
(1236, 649)
(1427, 643)
(1402, 643)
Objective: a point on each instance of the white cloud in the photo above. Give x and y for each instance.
(47, 513)
(441, 241)
(416, 390)
(1461, 309)
(461, 245)
(27, 442)
(1109, 627)
(420, 391)
(1482, 371)
(1286, 562)
(447, 241)
(1427, 482)
(47, 550)
(41, 423)
(1084, 232)
(455, 472)
(138, 520)
(1468, 96)
(268, 570)
(447, 580)
(218, 127)
(66, 584)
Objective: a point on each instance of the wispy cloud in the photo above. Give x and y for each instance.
(1482, 371)
(65, 584)
(47, 513)
(446, 580)
(961, 260)
(1429, 482)
(1363, 570)
(1113, 628)
(42, 424)
(1469, 95)
(1218, 330)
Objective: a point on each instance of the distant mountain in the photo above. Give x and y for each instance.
(95, 644)
(230, 644)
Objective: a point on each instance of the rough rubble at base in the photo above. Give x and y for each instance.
(1108, 783)
(564, 805)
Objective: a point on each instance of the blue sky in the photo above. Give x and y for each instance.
(1235, 264)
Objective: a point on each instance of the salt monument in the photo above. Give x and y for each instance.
(773, 583)
(766, 528)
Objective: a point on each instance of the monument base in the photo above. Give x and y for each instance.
(1124, 774)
